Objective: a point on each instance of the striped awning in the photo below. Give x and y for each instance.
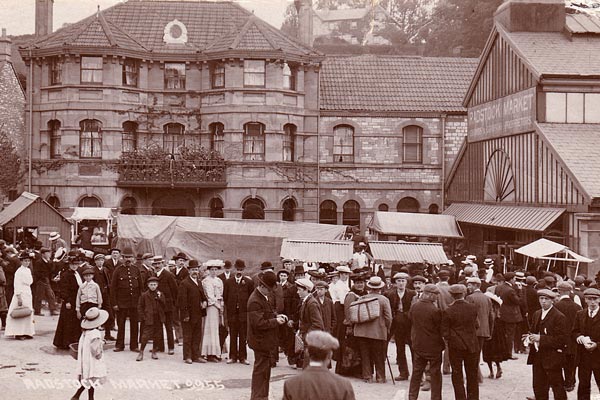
(408, 252)
(338, 251)
(536, 219)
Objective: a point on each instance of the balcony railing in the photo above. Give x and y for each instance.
(172, 173)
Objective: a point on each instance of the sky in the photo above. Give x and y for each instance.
(18, 16)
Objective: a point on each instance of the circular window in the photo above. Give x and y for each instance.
(175, 31)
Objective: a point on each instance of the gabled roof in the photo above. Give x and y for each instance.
(14, 209)
(139, 26)
(577, 147)
(395, 83)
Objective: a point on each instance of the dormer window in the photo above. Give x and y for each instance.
(175, 33)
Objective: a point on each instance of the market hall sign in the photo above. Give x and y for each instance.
(502, 117)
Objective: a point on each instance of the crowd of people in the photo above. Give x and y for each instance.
(339, 318)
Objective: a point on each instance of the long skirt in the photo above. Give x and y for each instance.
(20, 326)
(211, 345)
(68, 329)
(349, 363)
(494, 350)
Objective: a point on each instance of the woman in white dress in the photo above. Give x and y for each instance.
(21, 328)
(213, 287)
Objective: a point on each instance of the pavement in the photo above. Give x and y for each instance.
(34, 369)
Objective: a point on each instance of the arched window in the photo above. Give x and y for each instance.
(289, 137)
(254, 141)
(128, 206)
(90, 139)
(53, 201)
(253, 209)
(351, 213)
(408, 204)
(412, 144)
(434, 209)
(129, 138)
(328, 213)
(343, 143)
(89, 201)
(55, 142)
(216, 208)
(383, 207)
(173, 138)
(216, 136)
(289, 77)
(289, 210)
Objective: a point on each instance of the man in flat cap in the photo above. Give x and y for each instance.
(327, 311)
(586, 332)
(510, 310)
(316, 382)
(444, 300)
(146, 268)
(401, 298)
(427, 342)
(569, 308)
(309, 317)
(459, 328)
(547, 345)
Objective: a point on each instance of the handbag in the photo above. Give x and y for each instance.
(298, 343)
(364, 309)
(21, 312)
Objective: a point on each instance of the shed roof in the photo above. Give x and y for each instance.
(91, 213)
(395, 83)
(337, 251)
(413, 224)
(14, 209)
(408, 252)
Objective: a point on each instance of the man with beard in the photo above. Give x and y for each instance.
(167, 285)
(126, 288)
(192, 302)
(400, 300)
(102, 276)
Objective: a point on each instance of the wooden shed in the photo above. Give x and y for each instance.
(30, 213)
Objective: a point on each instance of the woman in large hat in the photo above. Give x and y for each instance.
(213, 287)
(68, 330)
(91, 369)
(18, 324)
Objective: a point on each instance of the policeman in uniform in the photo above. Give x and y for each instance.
(126, 286)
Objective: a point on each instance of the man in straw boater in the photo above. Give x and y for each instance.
(316, 381)
(427, 342)
(547, 342)
(192, 303)
(263, 322)
(586, 332)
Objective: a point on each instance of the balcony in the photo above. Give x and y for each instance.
(171, 173)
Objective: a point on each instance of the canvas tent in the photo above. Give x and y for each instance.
(253, 241)
(337, 251)
(413, 224)
(408, 252)
(544, 249)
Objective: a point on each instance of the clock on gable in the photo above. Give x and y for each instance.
(175, 33)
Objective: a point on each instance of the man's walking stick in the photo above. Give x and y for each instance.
(390, 367)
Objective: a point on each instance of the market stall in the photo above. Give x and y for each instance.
(544, 249)
(98, 220)
(401, 224)
(335, 251)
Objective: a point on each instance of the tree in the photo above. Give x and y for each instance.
(10, 173)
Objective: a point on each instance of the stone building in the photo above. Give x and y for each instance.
(200, 108)
(530, 166)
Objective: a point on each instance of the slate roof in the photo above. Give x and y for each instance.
(395, 83)
(139, 26)
(577, 146)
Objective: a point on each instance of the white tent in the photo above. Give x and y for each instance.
(544, 249)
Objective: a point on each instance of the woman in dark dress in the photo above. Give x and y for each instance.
(68, 330)
(494, 350)
(349, 363)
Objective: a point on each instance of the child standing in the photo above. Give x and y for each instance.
(151, 311)
(91, 369)
(89, 294)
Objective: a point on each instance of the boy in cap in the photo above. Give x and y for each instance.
(316, 382)
(547, 344)
(151, 310)
(326, 305)
(586, 330)
(89, 294)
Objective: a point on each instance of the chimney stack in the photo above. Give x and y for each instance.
(305, 21)
(532, 15)
(5, 47)
(43, 17)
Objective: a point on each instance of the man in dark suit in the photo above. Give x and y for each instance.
(126, 289)
(291, 305)
(102, 276)
(327, 311)
(115, 260)
(146, 268)
(427, 342)
(181, 273)
(237, 291)
(531, 298)
(400, 300)
(167, 285)
(568, 307)
(547, 346)
(192, 303)
(309, 317)
(459, 328)
(263, 322)
(510, 310)
(224, 276)
(586, 332)
(316, 382)
(42, 275)
(485, 314)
